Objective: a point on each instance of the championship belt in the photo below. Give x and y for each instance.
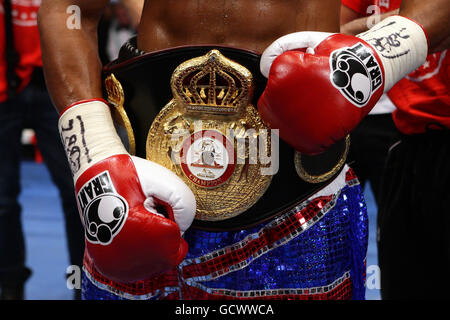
(191, 109)
(203, 135)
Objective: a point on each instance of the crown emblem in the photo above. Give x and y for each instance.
(204, 134)
(212, 84)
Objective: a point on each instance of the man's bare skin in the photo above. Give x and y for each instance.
(72, 65)
(247, 24)
(70, 56)
(354, 23)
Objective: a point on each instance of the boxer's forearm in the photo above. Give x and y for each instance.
(70, 54)
(362, 24)
(434, 16)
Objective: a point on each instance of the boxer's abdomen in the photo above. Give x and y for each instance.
(248, 24)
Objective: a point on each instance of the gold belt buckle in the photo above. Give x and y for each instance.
(203, 135)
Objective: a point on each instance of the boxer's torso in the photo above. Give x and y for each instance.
(247, 24)
(239, 28)
(251, 255)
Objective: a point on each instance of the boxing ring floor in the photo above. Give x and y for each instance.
(46, 245)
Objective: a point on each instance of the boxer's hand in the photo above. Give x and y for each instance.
(134, 211)
(321, 85)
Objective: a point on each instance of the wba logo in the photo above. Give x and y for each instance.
(104, 210)
(355, 72)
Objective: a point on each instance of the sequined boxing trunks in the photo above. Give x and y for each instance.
(315, 251)
(303, 235)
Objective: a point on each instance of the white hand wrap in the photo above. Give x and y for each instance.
(401, 45)
(88, 135)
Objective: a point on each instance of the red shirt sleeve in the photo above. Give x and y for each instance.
(359, 6)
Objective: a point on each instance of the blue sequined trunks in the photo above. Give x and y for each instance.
(315, 251)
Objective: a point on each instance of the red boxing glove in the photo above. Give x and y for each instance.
(317, 99)
(134, 211)
(315, 96)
